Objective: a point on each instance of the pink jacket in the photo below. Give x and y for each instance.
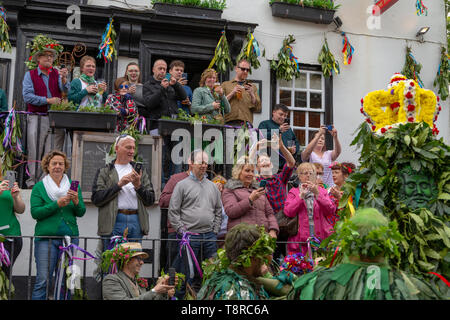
(323, 207)
(238, 209)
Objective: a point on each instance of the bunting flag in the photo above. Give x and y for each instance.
(421, 9)
(5, 45)
(107, 46)
(348, 50)
(293, 58)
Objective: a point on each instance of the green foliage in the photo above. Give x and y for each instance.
(327, 60)
(4, 286)
(195, 118)
(285, 67)
(39, 43)
(9, 153)
(64, 106)
(411, 69)
(222, 58)
(210, 4)
(5, 45)
(181, 278)
(443, 75)
(426, 232)
(252, 57)
(118, 255)
(92, 108)
(323, 4)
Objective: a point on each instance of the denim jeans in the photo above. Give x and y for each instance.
(204, 246)
(46, 254)
(122, 222)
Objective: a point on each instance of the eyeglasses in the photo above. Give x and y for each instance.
(306, 173)
(123, 86)
(140, 259)
(48, 55)
(244, 69)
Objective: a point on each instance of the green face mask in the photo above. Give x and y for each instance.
(417, 188)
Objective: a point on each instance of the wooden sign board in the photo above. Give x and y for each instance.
(90, 151)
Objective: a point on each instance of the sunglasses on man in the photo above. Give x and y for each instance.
(244, 69)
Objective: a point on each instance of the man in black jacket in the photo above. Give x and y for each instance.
(160, 94)
(160, 98)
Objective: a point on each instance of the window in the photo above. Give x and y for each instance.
(305, 96)
(5, 65)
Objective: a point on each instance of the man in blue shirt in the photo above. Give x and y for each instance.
(41, 88)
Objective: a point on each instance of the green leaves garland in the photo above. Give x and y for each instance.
(443, 75)
(412, 68)
(5, 45)
(287, 65)
(222, 58)
(426, 246)
(211, 4)
(12, 149)
(251, 51)
(40, 42)
(327, 60)
(323, 4)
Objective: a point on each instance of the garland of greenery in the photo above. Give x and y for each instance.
(209, 4)
(287, 65)
(412, 68)
(40, 42)
(193, 119)
(327, 61)
(11, 148)
(222, 58)
(251, 51)
(5, 45)
(443, 75)
(426, 244)
(323, 4)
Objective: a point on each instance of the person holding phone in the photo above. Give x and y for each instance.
(123, 103)
(244, 200)
(10, 203)
(176, 70)
(55, 207)
(134, 77)
(316, 151)
(313, 206)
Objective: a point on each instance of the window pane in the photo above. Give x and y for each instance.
(300, 134)
(284, 83)
(299, 118)
(285, 97)
(314, 119)
(300, 100)
(300, 82)
(315, 100)
(315, 81)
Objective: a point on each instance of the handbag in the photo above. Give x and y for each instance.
(288, 226)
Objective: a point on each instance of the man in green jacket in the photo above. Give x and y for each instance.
(121, 194)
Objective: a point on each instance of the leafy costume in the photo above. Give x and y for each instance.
(224, 278)
(367, 241)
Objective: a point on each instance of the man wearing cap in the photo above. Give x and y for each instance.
(42, 87)
(121, 195)
(123, 285)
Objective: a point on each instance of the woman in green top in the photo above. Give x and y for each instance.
(208, 99)
(55, 208)
(86, 91)
(10, 202)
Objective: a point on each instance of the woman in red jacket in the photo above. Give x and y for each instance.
(245, 201)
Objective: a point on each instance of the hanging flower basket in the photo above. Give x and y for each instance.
(299, 12)
(187, 11)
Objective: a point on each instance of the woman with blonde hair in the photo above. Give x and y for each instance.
(245, 201)
(313, 206)
(209, 99)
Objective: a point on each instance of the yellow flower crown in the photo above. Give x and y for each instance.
(404, 101)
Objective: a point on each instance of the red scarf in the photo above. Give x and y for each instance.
(48, 70)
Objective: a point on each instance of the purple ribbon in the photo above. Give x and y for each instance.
(185, 243)
(4, 255)
(71, 258)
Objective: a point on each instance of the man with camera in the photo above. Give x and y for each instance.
(280, 122)
(121, 191)
(242, 95)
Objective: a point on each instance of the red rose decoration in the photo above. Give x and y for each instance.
(410, 119)
(438, 98)
(383, 130)
(409, 95)
(439, 108)
(368, 120)
(395, 105)
(362, 111)
(411, 107)
(411, 84)
(362, 100)
(373, 128)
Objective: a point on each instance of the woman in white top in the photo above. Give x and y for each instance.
(316, 152)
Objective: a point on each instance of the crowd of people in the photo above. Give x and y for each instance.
(202, 208)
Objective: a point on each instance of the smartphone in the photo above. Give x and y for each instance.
(185, 76)
(329, 127)
(263, 183)
(172, 273)
(10, 176)
(287, 121)
(168, 76)
(138, 167)
(74, 185)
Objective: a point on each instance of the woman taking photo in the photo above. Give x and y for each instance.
(209, 99)
(316, 152)
(55, 207)
(10, 203)
(312, 205)
(86, 91)
(133, 74)
(244, 201)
